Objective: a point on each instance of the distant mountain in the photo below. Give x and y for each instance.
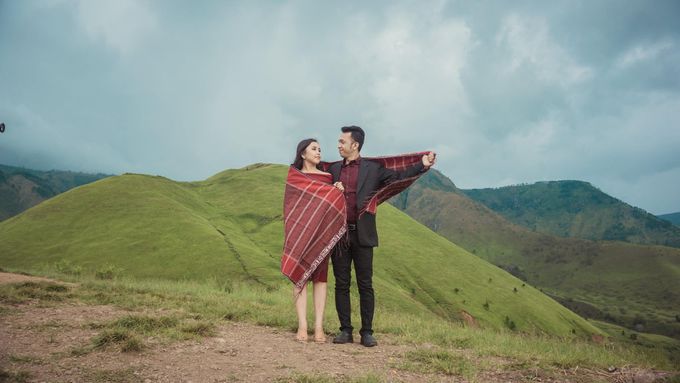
(229, 229)
(633, 285)
(674, 218)
(576, 209)
(22, 188)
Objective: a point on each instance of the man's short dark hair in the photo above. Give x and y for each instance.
(357, 134)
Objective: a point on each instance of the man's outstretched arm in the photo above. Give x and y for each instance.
(388, 176)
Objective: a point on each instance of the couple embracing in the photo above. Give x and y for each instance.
(329, 212)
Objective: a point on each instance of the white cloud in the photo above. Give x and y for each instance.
(407, 69)
(643, 52)
(120, 24)
(536, 140)
(529, 43)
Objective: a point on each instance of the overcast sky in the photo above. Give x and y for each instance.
(505, 92)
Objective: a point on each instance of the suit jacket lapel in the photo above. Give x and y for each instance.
(334, 169)
(361, 178)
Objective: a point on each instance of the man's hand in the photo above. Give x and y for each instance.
(429, 159)
(339, 186)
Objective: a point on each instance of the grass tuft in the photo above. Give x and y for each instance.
(325, 378)
(17, 293)
(439, 361)
(124, 340)
(28, 359)
(65, 266)
(108, 272)
(199, 328)
(113, 376)
(14, 377)
(145, 324)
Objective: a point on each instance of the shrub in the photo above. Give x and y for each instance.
(108, 271)
(509, 323)
(65, 266)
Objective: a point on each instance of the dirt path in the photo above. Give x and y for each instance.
(239, 352)
(37, 344)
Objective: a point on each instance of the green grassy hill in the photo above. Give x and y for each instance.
(576, 209)
(228, 229)
(22, 188)
(632, 285)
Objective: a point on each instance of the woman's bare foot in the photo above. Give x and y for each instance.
(319, 336)
(301, 335)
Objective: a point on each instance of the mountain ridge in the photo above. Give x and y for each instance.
(673, 218)
(576, 209)
(22, 188)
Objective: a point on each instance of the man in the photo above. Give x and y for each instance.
(360, 178)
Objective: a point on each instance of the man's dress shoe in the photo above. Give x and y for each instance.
(368, 340)
(343, 337)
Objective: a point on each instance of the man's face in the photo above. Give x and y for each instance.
(346, 145)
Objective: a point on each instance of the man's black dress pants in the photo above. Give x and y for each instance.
(362, 257)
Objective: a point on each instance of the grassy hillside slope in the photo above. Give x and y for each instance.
(228, 229)
(632, 285)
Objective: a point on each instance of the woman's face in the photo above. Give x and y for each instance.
(312, 153)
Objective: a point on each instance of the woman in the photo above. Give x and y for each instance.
(314, 219)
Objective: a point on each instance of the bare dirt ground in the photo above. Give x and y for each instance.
(37, 343)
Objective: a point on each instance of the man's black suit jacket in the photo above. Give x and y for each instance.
(372, 176)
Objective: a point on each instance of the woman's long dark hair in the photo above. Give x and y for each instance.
(301, 147)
